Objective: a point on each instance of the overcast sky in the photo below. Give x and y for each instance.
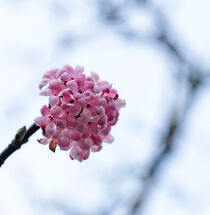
(36, 36)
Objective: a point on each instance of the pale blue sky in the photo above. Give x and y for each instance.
(33, 39)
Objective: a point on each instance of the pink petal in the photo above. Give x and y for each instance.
(55, 111)
(53, 100)
(85, 154)
(64, 145)
(106, 130)
(103, 120)
(65, 77)
(50, 74)
(79, 69)
(97, 89)
(60, 72)
(69, 69)
(99, 101)
(75, 135)
(40, 121)
(54, 84)
(89, 95)
(104, 85)
(86, 114)
(72, 85)
(96, 148)
(43, 83)
(49, 130)
(95, 118)
(75, 153)
(71, 122)
(45, 92)
(88, 85)
(82, 102)
(60, 123)
(120, 103)
(86, 133)
(45, 111)
(80, 80)
(74, 109)
(78, 96)
(108, 139)
(100, 110)
(83, 145)
(95, 76)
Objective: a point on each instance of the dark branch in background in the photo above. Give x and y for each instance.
(167, 144)
(21, 137)
(177, 117)
(194, 78)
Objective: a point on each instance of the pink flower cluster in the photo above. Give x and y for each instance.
(81, 111)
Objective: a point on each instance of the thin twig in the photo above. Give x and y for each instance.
(21, 137)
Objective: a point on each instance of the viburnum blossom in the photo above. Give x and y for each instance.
(81, 111)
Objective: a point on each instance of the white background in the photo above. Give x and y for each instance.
(34, 37)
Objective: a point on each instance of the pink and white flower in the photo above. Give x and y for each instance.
(81, 111)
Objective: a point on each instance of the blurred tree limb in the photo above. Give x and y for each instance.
(193, 75)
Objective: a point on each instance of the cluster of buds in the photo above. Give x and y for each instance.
(81, 111)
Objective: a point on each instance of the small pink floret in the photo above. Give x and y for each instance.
(81, 111)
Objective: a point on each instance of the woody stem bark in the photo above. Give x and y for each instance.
(22, 136)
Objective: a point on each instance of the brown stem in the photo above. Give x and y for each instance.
(21, 137)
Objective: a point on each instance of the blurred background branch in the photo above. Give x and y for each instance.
(193, 75)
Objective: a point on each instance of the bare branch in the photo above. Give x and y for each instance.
(21, 137)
